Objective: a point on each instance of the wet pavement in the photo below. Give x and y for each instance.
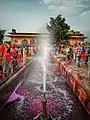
(62, 104)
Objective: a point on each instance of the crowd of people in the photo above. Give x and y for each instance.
(80, 53)
(13, 57)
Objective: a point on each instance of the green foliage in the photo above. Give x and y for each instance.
(59, 30)
(8, 42)
(2, 32)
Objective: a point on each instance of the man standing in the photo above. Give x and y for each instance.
(78, 54)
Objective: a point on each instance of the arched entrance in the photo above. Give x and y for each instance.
(25, 42)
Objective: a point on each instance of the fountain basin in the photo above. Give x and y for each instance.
(52, 107)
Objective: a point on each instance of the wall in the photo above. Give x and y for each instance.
(18, 40)
(74, 41)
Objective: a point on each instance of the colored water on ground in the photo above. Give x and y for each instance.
(62, 104)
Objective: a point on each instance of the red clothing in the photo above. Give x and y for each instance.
(2, 52)
(19, 55)
(83, 56)
(8, 58)
(13, 52)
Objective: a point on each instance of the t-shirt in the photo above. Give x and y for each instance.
(82, 49)
(83, 56)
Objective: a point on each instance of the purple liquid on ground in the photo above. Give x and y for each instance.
(14, 97)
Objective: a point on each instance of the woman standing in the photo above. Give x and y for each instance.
(2, 56)
(8, 61)
(24, 55)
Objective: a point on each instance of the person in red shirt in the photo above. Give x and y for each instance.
(83, 57)
(2, 56)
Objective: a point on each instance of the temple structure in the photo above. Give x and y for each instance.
(22, 38)
(76, 37)
(29, 38)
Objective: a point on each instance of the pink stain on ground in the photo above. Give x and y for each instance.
(52, 107)
(23, 91)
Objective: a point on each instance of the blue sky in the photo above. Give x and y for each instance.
(32, 15)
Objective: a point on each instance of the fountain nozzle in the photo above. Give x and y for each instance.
(44, 103)
(44, 94)
(43, 115)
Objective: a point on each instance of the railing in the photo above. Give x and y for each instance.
(75, 85)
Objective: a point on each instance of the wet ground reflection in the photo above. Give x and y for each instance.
(61, 102)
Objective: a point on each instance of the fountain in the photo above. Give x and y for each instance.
(46, 95)
(45, 50)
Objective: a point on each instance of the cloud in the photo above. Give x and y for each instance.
(68, 7)
(76, 12)
(84, 13)
(51, 7)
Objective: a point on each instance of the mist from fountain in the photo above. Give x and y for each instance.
(44, 64)
(44, 49)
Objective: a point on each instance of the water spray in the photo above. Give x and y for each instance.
(43, 115)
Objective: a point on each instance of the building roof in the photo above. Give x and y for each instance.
(25, 34)
(74, 35)
(78, 37)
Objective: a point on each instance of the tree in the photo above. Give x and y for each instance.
(2, 32)
(58, 29)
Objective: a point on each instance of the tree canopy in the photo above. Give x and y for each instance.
(58, 29)
(2, 32)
